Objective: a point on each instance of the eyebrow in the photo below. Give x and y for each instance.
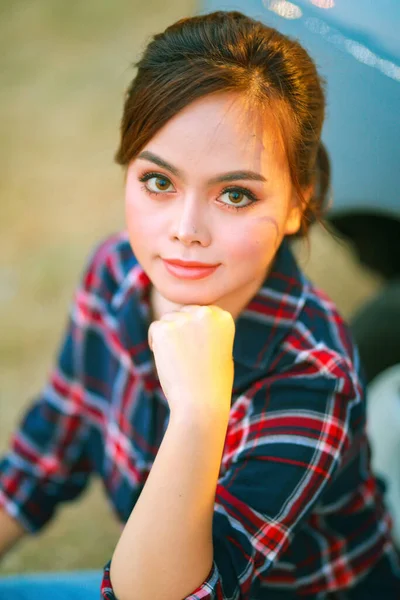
(230, 176)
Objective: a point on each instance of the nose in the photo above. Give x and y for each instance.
(190, 223)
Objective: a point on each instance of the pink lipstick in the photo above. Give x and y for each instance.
(188, 269)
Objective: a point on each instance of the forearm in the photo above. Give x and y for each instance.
(166, 549)
(10, 532)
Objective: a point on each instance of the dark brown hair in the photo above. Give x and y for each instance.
(230, 52)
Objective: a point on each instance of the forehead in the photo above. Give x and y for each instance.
(221, 131)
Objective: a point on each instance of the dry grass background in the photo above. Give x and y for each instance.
(64, 67)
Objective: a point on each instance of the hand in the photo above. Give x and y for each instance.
(193, 355)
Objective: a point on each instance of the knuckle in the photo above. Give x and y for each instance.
(204, 311)
(189, 308)
(169, 316)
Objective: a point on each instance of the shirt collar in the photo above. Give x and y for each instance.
(268, 318)
(260, 328)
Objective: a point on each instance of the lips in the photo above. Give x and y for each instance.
(188, 269)
(188, 263)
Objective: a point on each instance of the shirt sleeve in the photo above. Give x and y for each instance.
(290, 436)
(48, 460)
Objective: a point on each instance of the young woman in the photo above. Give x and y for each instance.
(215, 390)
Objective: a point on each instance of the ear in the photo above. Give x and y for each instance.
(293, 220)
(295, 212)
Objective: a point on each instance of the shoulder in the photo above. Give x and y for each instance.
(292, 332)
(321, 329)
(318, 351)
(312, 387)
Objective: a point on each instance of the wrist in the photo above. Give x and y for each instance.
(201, 420)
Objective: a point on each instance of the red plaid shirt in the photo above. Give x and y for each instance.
(297, 511)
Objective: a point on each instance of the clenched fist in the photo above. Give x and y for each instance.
(193, 355)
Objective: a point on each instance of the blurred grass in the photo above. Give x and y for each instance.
(63, 71)
(64, 67)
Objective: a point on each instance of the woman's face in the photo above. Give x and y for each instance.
(212, 187)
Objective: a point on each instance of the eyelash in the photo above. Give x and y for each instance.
(246, 192)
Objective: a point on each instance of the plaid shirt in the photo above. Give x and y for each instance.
(296, 506)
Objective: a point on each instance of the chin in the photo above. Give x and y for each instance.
(185, 299)
(188, 293)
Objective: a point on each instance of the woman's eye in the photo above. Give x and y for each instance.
(237, 197)
(157, 183)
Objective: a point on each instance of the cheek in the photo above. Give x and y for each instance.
(141, 227)
(132, 213)
(140, 221)
(254, 243)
